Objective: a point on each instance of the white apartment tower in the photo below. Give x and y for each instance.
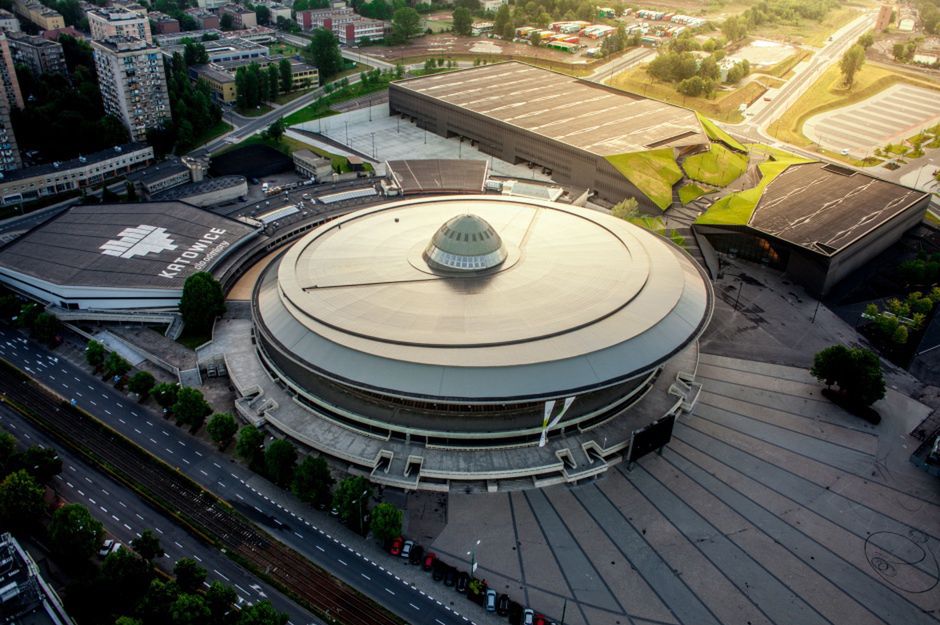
(133, 83)
(110, 22)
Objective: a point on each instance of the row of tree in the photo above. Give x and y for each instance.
(255, 84)
(765, 12)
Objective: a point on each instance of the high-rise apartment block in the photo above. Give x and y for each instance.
(118, 22)
(40, 55)
(133, 83)
(8, 21)
(10, 96)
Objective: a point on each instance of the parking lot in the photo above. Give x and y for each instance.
(891, 116)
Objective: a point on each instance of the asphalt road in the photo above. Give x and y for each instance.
(274, 510)
(125, 515)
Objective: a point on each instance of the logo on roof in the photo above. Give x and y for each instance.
(139, 241)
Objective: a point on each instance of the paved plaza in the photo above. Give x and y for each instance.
(770, 505)
(891, 116)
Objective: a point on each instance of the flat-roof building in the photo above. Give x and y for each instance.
(39, 54)
(159, 177)
(242, 17)
(164, 23)
(105, 23)
(39, 14)
(118, 257)
(32, 183)
(816, 221)
(133, 83)
(8, 21)
(207, 192)
(25, 597)
(577, 129)
(10, 96)
(205, 19)
(224, 50)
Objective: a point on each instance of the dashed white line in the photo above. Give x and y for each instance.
(177, 544)
(389, 591)
(197, 558)
(239, 496)
(300, 536)
(320, 548)
(199, 454)
(220, 575)
(203, 472)
(158, 529)
(153, 441)
(414, 606)
(341, 562)
(138, 431)
(138, 516)
(128, 527)
(366, 576)
(115, 518)
(216, 465)
(122, 420)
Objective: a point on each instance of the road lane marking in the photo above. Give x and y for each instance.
(177, 544)
(366, 576)
(197, 558)
(220, 575)
(320, 548)
(300, 536)
(391, 592)
(414, 606)
(341, 562)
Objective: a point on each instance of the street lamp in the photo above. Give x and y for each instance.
(473, 558)
(364, 493)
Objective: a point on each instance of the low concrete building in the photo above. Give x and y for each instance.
(220, 50)
(160, 177)
(205, 19)
(207, 192)
(817, 221)
(163, 23)
(242, 17)
(221, 83)
(39, 14)
(211, 5)
(310, 165)
(27, 598)
(39, 54)
(31, 183)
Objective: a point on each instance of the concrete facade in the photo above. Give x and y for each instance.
(40, 55)
(118, 22)
(10, 96)
(133, 83)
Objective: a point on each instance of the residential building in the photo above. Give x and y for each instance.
(118, 22)
(163, 23)
(39, 54)
(221, 83)
(210, 5)
(26, 597)
(8, 21)
(40, 181)
(277, 10)
(221, 76)
(133, 83)
(242, 17)
(884, 17)
(11, 86)
(55, 33)
(310, 165)
(170, 173)
(349, 27)
(204, 18)
(39, 14)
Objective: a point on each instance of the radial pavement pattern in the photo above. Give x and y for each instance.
(770, 505)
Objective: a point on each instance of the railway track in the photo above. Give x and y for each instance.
(201, 512)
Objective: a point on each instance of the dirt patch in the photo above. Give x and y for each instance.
(252, 161)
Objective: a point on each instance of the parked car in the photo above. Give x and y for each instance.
(406, 549)
(528, 616)
(397, 544)
(450, 577)
(515, 613)
(440, 570)
(106, 547)
(463, 580)
(429, 559)
(540, 620)
(491, 600)
(502, 605)
(416, 556)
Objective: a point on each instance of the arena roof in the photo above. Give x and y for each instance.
(438, 175)
(581, 301)
(825, 207)
(153, 245)
(585, 115)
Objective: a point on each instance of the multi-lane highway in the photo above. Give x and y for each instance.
(282, 516)
(125, 515)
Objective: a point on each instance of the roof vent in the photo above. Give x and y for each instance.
(841, 171)
(465, 243)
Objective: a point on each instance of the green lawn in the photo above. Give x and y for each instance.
(718, 167)
(691, 191)
(215, 131)
(284, 98)
(735, 209)
(255, 112)
(653, 172)
(717, 134)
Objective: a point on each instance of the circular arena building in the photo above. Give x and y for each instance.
(428, 342)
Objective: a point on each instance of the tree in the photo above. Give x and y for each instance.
(222, 427)
(189, 609)
(323, 53)
(261, 613)
(857, 372)
(625, 209)
(851, 63)
(249, 445)
(219, 599)
(195, 53)
(75, 534)
(45, 328)
(226, 22)
(313, 481)
(191, 408)
(165, 394)
(386, 521)
(274, 82)
(154, 608)
(263, 13)
(502, 19)
(276, 130)
(141, 383)
(463, 21)
(7, 451)
(287, 76)
(189, 575)
(734, 28)
(201, 303)
(351, 500)
(406, 24)
(116, 365)
(43, 463)
(148, 546)
(20, 500)
(127, 577)
(280, 459)
(867, 40)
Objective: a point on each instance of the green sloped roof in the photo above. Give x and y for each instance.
(735, 209)
(653, 172)
(717, 134)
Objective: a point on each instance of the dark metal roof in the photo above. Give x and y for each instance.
(824, 208)
(439, 175)
(123, 245)
(81, 161)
